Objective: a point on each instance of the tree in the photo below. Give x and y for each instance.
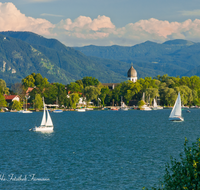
(3, 102)
(28, 81)
(91, 93)
(141, 103)
(90, 81)
(183, 174)
(3, 88)
(73, 100)
(74, 87)
(38, 103)
(16, 105)
(104, 92)
(50, 94)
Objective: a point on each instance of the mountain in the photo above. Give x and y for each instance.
(174, 57)
(22, 53)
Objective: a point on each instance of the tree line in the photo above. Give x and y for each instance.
(165, 88)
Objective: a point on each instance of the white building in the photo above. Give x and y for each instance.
(132, 74)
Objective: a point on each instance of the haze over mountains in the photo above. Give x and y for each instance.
(22, 53)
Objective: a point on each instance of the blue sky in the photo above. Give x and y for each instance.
(105, 22)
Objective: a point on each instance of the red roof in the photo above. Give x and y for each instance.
(10, 97)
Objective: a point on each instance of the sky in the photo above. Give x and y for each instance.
(104, 22)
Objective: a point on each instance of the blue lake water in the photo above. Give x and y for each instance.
(92, 150)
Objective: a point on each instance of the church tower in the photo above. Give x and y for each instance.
(132, 74)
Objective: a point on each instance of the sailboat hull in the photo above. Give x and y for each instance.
(43, 129)
(176, 119)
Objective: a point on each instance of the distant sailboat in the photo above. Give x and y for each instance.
(145, 107)
(176, 113)
(25, 110)
(46, 124)
(123, 106)
(155, 105)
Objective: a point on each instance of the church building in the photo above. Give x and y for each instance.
(132, 74)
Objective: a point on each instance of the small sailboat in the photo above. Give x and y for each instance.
(155, 105)
(25, 110)
(123, 106)
(145, 107)
(176, 113)
(46, 124)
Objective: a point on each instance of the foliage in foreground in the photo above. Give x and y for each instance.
(183, 174)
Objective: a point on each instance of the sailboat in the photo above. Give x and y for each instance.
(25, 110)
(46, 124)
(155, 105)
(176, 113)
(123, 106)
(145, 107)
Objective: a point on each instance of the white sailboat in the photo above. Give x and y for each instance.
(25, 110)
(46, 124)
(123, 106)
(176, 113)
(145, 107)
(155, 105)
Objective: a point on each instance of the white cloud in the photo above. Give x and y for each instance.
(12, 19)
(102, 30)
(99, 31)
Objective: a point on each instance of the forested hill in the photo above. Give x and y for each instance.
(22, 53)
(174, 57)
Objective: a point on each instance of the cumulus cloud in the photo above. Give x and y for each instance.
(99, 31)
(12, 19)
(102, 30)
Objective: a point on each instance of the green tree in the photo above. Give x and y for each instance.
(183, 174)
(3, 102)
(90, 81)
(38, 103)
(16, 105)
(91, 93)
(50, 94)
(74, 87)
(141, 103)
(104, 92)
(73, 100)
(3, 88)
(28, 81)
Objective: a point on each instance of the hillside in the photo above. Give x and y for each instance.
(50, 58)
(174, 57)
(22, 53)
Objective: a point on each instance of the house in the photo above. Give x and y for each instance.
(10, 98)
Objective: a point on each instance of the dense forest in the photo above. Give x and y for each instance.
(163, 88)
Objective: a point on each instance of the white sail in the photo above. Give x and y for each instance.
(49, 121)
(43, 123)
(176, 111)
(154, 103)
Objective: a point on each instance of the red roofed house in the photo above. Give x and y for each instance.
(10, 98)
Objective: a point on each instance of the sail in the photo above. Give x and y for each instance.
(43, 123)
(49, 121)
(176, 111)
(154, 103)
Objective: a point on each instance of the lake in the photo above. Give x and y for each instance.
(92, 150)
